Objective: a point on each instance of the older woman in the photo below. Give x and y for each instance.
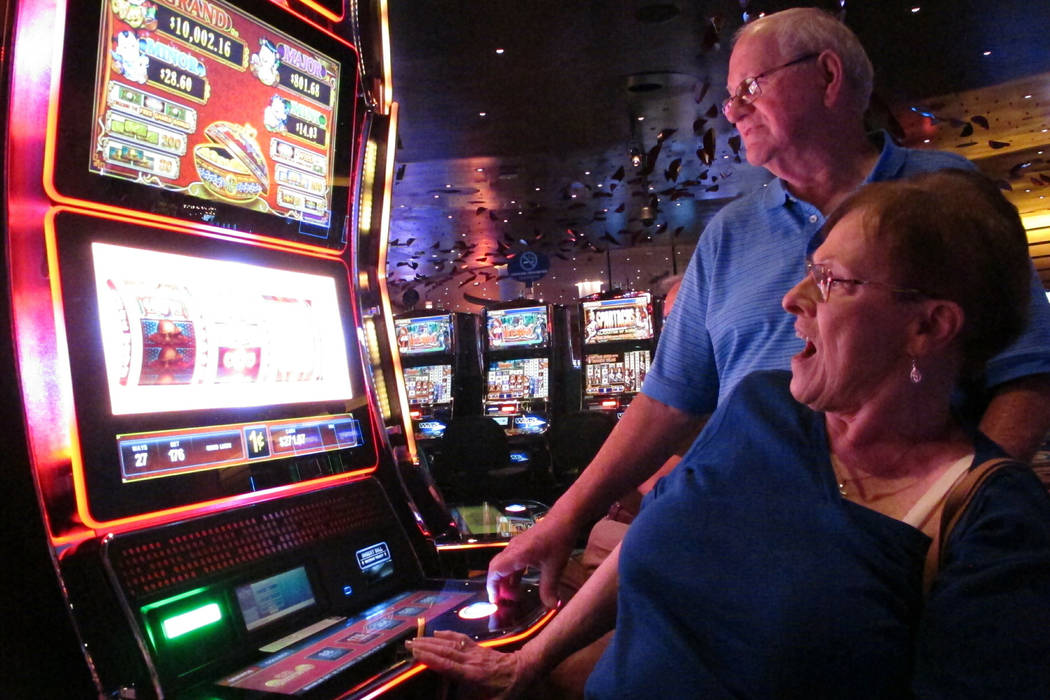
(783, 557)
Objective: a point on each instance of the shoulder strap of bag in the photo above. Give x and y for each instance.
(955, 504)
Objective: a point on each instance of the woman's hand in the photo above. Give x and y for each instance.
(492, 674)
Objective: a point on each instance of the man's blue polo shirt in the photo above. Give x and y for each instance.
(727, 320)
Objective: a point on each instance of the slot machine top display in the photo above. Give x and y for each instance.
(424, 335)
(624, 318)
(522, 327)
(207, 114)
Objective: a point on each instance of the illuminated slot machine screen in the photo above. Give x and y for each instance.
(523, 327)
(616, 373)
(615, 320)
(517, 379)
(210, 113)
(197, 362)
(424, 335)
(429, 384)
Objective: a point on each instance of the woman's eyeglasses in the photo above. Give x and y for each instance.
(824, 280)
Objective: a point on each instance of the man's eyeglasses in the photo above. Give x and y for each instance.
(824, 280)
(749, 89)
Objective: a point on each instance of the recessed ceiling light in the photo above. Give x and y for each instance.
(499, 51)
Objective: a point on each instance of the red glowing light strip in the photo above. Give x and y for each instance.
(323, 11)
(395, 681)
(76, 459)
(503, 641)
(477, 545)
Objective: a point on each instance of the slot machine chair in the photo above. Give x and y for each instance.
(574, 440)
(473, 462)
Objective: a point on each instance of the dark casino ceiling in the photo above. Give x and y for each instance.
(591, 132)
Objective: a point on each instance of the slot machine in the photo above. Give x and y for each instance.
(618, 334)
(441, 362)
(207, 500)
(527, 363)
(518, 354)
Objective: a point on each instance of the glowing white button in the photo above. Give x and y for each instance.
(476, 611)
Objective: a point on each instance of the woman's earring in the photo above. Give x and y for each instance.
(915, 375)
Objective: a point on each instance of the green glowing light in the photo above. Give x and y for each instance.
(191, 620)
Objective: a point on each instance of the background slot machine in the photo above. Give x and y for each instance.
(200, 497)
(527, 366)
(518, 367)
(618, 334)
(441, 362)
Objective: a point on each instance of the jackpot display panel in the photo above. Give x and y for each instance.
(215, 116)
(518, 367)
(618, 335)
(209, 505)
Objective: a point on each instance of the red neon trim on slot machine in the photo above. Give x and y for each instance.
(392, 683)
(319, 9)
(476, 545)
(384, 290)
(525, 634)
(83, 506)
(140, 217)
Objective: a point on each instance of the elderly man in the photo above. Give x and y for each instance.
(799, 82)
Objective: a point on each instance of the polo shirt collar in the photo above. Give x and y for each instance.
(891, 161)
